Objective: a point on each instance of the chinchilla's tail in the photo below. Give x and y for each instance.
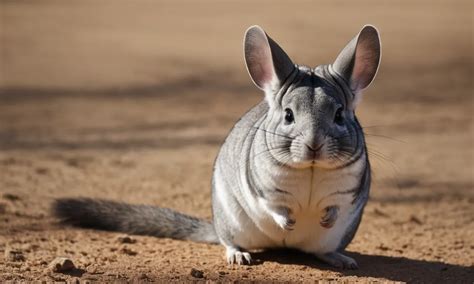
(133, 219)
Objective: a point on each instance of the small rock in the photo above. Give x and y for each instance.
(10, 196)
(126, 240)
(3, 208)
(197, 273)
(42, 171)
(380, 213)
(415, 220)
(14, 255)
(383, 247)
(61, 264)
(128, 251)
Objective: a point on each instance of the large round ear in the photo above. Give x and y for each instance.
(267, 63)
(359, 61)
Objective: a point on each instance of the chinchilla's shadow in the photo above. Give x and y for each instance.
(378, 266)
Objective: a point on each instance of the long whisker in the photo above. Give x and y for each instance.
(384, 136)
(387, 161)
(268, 150)
(378, 126)
(274, 133)
(382, 157)
(342, 154)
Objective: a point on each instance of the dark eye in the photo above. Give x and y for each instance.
(338, 119)
(289, 115)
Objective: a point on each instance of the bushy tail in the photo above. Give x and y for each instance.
(133, 219)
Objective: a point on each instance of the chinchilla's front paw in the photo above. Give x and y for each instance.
(285, 223)
(283, 218)
(329, 217)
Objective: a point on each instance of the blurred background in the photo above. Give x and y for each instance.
(130, 100)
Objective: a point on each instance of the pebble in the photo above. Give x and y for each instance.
(415, 220)
(128, 251)
(61, 264)
(197, 273)
(10, 196)
(3, 208)
(126, 240)
(14, 255)
(42, 171)
(383, 247)
(380, 213)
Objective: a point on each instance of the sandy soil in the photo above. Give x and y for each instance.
(130, 101)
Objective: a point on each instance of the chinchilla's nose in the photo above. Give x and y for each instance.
(313, 141)
(314, 147)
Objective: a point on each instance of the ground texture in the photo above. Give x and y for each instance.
(130, 101)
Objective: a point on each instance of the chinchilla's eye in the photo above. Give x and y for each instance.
(338, 119)
(289, 115)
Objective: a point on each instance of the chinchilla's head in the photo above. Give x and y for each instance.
(311, 119)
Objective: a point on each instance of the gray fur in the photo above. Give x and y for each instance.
(299, 180)
(133, 219)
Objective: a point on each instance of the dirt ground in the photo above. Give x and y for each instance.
(130, 100)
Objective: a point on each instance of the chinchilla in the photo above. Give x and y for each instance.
(293, 172)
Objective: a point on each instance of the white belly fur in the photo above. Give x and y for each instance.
(308, 206)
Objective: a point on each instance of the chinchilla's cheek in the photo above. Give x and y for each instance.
(325, 151)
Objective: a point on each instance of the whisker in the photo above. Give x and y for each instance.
(274, 133)
(384, 136)
(378, 126)
(268, 150)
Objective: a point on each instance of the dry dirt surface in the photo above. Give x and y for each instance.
(130, 101)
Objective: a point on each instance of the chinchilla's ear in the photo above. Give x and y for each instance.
(267, 63)
(359, 61)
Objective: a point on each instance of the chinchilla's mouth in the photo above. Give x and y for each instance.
(304, 163)
(316, 162)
